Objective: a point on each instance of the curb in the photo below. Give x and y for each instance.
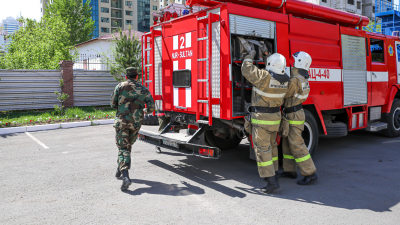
(12, 130)
(42, 127)
(76, 124)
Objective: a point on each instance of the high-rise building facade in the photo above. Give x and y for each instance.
(361, 7)
(112, 15)
(43, 4)
(164, 3)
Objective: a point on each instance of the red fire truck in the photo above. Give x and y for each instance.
(192, 67)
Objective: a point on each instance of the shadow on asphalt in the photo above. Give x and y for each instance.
(8, 135)
(360, 171)
(158, 188)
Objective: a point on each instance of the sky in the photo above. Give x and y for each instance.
(28, 8)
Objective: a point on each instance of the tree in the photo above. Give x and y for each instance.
(62, 97)
(76, 15)
(125, 52)
(38, 45)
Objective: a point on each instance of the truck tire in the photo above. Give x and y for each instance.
(393, 121)
(310, 133)
(223, 144)
(336, 130)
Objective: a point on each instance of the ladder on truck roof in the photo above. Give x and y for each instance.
(148, 68)
(207, 99)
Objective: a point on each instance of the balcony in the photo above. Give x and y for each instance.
(116, 13)
(116, 23)
(116, 4)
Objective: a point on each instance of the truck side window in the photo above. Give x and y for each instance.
(398, 52)
(377, 52)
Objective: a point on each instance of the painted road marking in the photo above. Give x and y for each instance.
(37, 141)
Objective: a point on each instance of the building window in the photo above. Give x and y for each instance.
(154, 7)
(377, 52)
(358, 5)
(373, 9)
(128, 3)
(350, 2)
(106, 1)
(105, 10)
(128, 13)
(105, 30)
(128, 22)
(105, 20)
(324, 1)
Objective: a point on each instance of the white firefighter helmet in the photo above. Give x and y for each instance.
(276, 63)
(302, 61)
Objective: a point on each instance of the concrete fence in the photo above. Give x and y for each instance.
(34, 89)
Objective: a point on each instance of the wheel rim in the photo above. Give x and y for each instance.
(307, 135)
(396, 119)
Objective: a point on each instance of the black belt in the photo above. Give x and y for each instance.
(293, 108)
(260, 109)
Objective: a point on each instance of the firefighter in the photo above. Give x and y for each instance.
(269, 88)
(294, 149)
(129, 98)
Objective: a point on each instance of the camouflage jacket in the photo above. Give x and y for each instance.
(129, 98)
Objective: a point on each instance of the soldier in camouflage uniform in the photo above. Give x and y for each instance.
(130, 99)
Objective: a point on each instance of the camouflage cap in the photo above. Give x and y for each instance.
(131, 71)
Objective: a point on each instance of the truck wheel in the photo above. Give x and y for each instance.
(336, 130)
(310, 133)
(223, 144)
(393, 120)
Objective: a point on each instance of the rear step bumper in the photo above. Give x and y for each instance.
(169, 142)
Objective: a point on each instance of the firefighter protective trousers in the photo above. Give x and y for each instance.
(294, 149)
(267, 92)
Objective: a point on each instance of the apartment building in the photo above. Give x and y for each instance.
(111, 15)
(43, 4)
(361, 7)
(164, 3)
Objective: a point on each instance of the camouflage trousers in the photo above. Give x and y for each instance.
(295, 152)
(124, 139)
(266, 150)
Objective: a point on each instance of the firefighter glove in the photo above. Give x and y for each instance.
(247, 124)
(284, 127)
(252, 53)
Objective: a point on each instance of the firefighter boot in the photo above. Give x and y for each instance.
(272, 185)
(126, 181)
(311, 179)
(277, 174)
(291, 175)
(118, 173)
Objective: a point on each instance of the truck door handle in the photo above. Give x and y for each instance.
(374, 75)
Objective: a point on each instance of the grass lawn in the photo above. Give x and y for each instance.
(36, 117)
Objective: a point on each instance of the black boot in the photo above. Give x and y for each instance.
(126, 181)
(272, 185)
(307, 180)
(118, 173)
(291, 175)
(276, 176)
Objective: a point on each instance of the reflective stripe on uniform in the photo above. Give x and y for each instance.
(274, 158)
(267, 163)
(265, 122)
(268, 95)
(303, 158)
(288, 157)
(293, 122)
(301, 96)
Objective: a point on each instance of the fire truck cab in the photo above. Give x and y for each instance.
(192, 67)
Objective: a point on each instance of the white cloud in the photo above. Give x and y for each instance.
(28, 9)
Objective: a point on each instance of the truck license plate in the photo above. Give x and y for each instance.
(170, 143)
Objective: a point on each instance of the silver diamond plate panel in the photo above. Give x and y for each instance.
(158, 65)
(355, 87)
(244, 25)
(215, 64)
(158, 104)
(353, 53)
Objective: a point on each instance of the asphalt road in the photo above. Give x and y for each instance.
(70, 180)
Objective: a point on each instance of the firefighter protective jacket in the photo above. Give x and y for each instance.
(267, 92)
